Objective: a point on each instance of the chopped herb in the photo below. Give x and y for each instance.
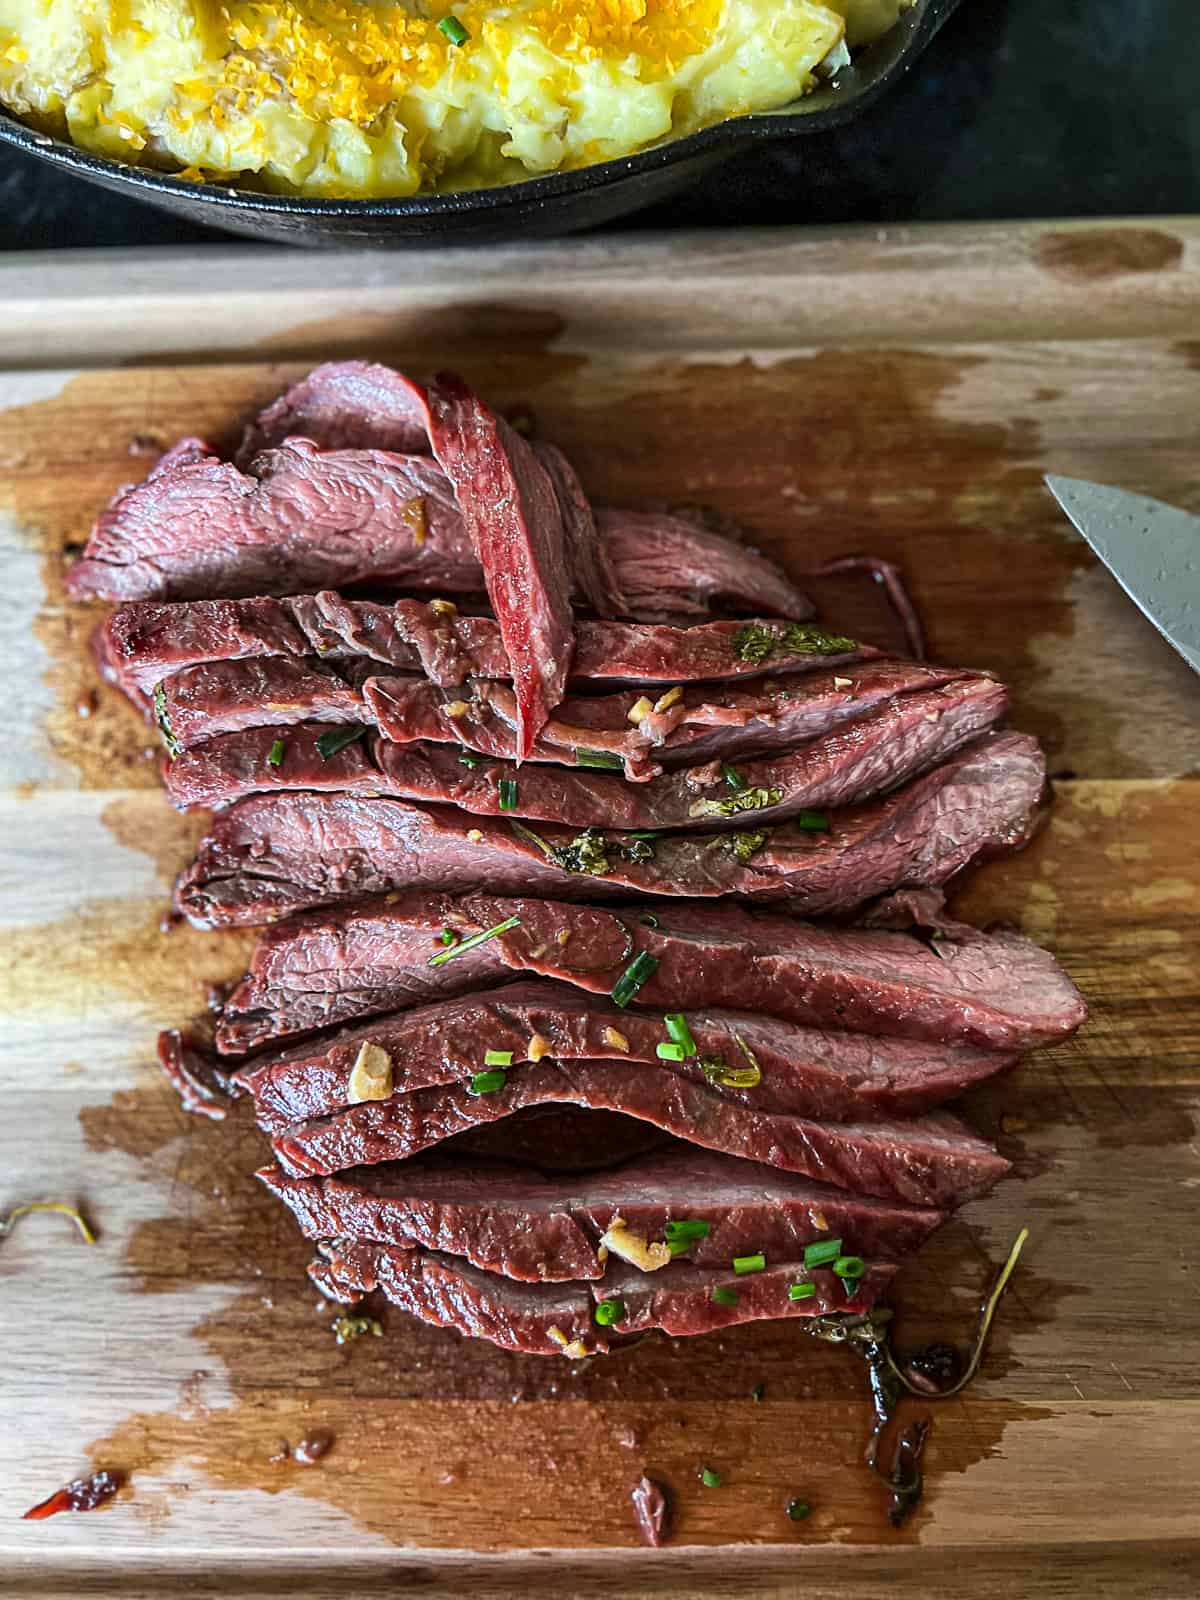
(755, 799)
(9, 1222)
(677, 1028)
(709, 1478)
(801, 1291)
(732, 776)
(755, 643)
(454, 30)
(758, 1391)
(598, 758)
(337, 739)
(275, 759)
(646, 833)
(448, 936)
(812, 821)
(724, 1297)
(347, 1329)
(822, 1252)
(798, 1509)
(639, 850)
(497, 1058)
(690, 1228)
(476, 939)
(587, 851)
(639, 971)
(746, 845)
(649, 920)
(744, 1264)
(610, 1311)
(718, 1071)
(467, 759)
(680, 1247)
(487, 1082)
(668, 1050)
(164, 722)
(508, 794)
(849, 1266)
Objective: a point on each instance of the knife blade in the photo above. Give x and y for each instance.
(1151, 549)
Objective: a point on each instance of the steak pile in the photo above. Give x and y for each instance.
(605, 981)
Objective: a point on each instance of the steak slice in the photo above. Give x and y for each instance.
(522, 1224)
(273, 854)
(932, 1160)
(595, 579)
(559, 1319)
(142, 643)
(345, 405)
(997, 991)
(510, 508)
(856, 760)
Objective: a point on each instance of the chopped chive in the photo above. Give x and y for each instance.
(609, 1311)
(454, 30)
(497, 1058)
(677, 1028)
(724, 1297)
(709, 1478)
(487, 1082)
(639, 971)
(467, 759)
(680, 1247)
(732, 777)
(448, 936)
(508, 794)
(812, 821)
(337, 739)
(649, 920)
(849, 1266)
(275, 759)
(598, 758)
(797, 1509)
(758, 1391)
(647, 833)
(668, 1050)
(687, 1228)
(464, 945)
(822, 1253)
(801, 1291)
(744, 1264)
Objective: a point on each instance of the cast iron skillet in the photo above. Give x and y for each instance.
(558, 203)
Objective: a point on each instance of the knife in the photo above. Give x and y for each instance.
(1151, 549)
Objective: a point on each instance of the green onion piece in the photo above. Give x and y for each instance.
(680, 1247)
(649, 920)
(467, 759)
(744, 1264)
(609, 1311)
(822, 1253)
(464, 945)
(497, 1058)
(812, 821)
(163, 720)
(687, 1228)
(709, 1478)
(454, 30)
(677, 1028)
(801, 1291)
(724, 1297)
(651, 833)
(850, 1287)
(741, 1078)
(668, 1050)
(487, 1082)
(448, 936)
(732, 777)
(849, 1266)
(508, 794)
(797, 1509)
(639, 971)
(275, 759)
(599, 758)
(758, 1391)
(337, 739)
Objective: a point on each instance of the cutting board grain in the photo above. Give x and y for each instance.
(899, 392)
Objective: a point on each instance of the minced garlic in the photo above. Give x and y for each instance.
(371, 1075)
(620, 1238)
(639, 710)
(666, 701)
(618, 1041)
(539, 1046)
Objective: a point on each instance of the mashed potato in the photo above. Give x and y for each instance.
(354, 98)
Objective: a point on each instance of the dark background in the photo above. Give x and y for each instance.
(1021, 108)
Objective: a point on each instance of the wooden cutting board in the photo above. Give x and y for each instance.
(899, 392)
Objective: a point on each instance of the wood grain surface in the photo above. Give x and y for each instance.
(899, 393)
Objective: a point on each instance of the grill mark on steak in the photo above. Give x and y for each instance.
(932, 1160)
(834, 1076)
(524, 1225)
(452, 1294)
(273, 854)
(847, 765)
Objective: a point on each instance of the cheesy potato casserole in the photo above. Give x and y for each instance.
(357, 98)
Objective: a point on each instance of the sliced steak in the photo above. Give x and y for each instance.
(345, 405)
(518, 1222)
(511, 511)
(277, 853)
(559, 1319)
(926, 1161)
(145, 642)
(856, 760)
(273, 692)
(996, 991)
(830, 1075)
(591, 560)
